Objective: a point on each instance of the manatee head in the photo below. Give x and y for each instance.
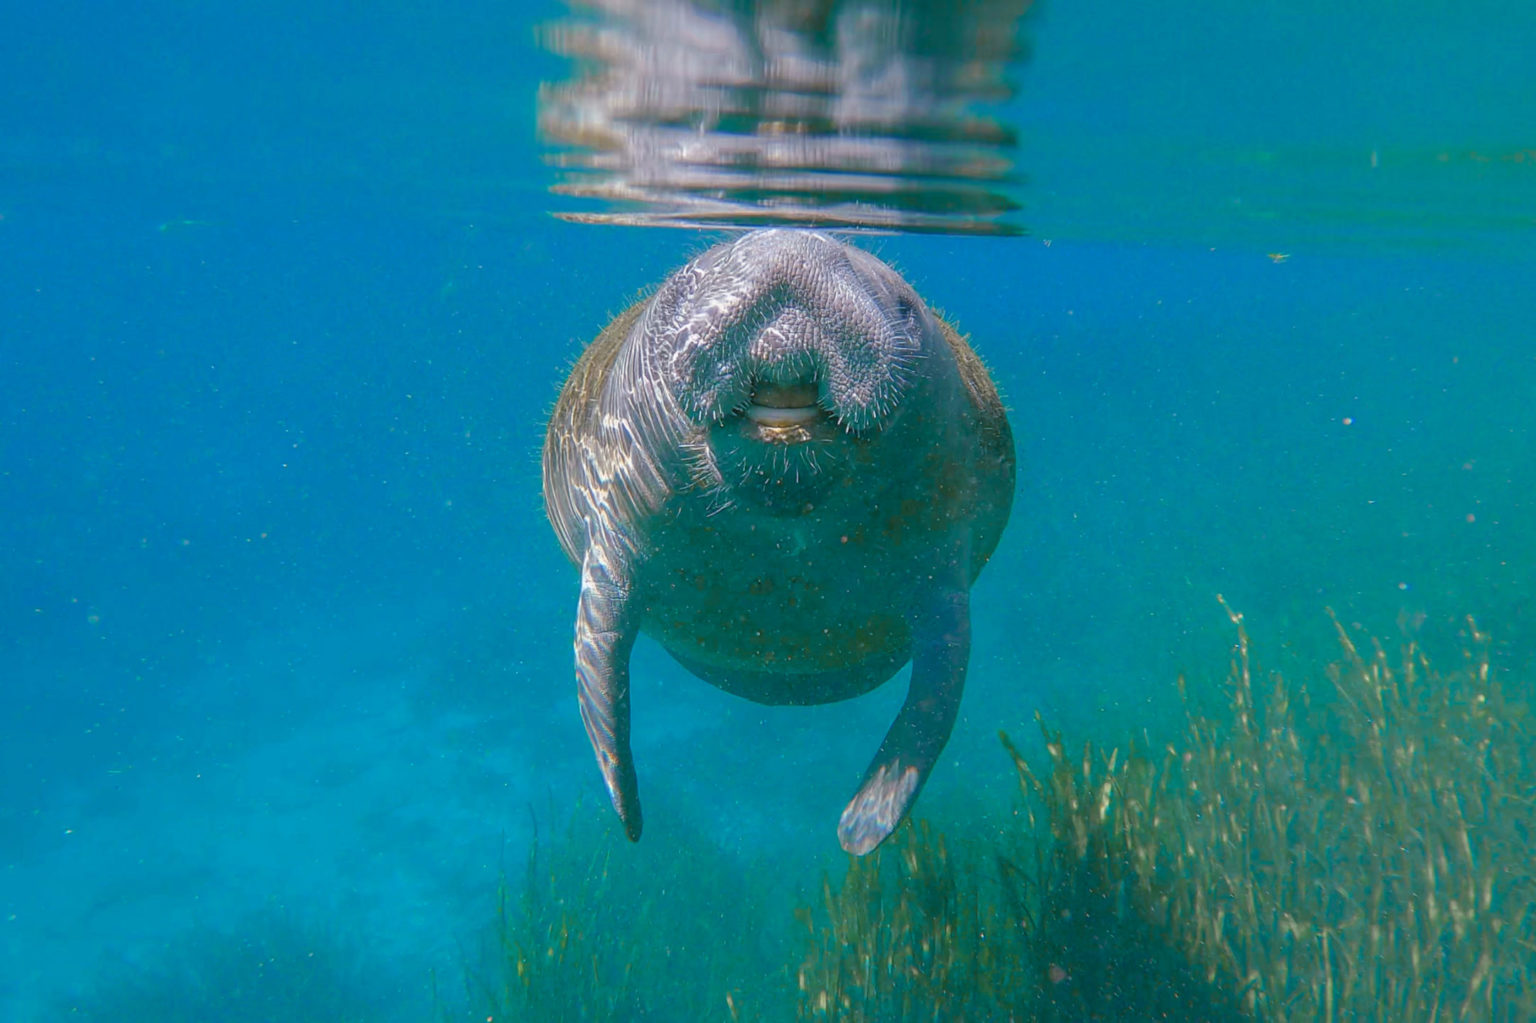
(784, 351)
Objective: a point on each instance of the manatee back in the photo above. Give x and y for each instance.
(996, 465)
(580, 465)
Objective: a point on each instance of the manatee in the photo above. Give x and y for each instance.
(788, 471)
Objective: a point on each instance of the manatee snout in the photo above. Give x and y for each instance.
(787, 311)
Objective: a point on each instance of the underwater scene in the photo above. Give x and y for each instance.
(290, 723)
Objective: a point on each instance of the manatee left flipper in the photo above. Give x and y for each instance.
(941, 647)
(606, 627)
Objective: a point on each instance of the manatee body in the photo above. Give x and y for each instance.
(788, 471)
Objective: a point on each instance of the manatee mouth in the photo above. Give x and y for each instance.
(778, 406)
(781, 450)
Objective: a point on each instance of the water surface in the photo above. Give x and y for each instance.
(285, 637)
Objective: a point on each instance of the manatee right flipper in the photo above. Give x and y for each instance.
(606, 627)
(941, 648)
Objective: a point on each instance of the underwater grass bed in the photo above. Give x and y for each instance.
(1351, 849)
(1347, 846)
(600, 929)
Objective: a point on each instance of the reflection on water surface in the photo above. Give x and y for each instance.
(828, 113)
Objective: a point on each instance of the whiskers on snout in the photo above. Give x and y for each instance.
(785, 476)
(778, 451)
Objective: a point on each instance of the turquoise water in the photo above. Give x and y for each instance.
(285, 637)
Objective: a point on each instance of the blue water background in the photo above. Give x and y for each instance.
(282, 627)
